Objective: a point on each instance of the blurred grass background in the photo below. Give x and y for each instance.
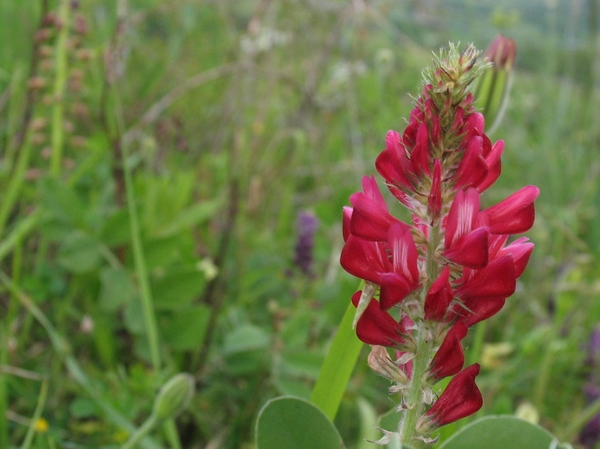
(230, 118)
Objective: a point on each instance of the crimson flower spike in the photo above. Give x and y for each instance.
(427, 282)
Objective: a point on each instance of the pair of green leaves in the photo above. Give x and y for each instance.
(295, 423)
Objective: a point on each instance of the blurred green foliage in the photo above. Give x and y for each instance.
(232, 117)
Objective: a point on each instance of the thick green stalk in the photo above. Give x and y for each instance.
(60, 81)
(414, 398)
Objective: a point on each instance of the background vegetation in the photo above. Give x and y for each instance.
(155, 156)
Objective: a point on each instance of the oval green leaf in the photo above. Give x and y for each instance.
(293, 423)
(501, 432)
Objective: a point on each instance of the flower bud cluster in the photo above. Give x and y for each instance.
(428, 281)
(49, 67)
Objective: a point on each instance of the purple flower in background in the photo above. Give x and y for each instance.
(590, 434)
(307, 224)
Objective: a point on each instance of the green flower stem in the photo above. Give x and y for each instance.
(172, 434)
(63, 351)
(150, 324)
(36, 415)
(60, 81)
(414, 398)
(141, 432)
(140, 267)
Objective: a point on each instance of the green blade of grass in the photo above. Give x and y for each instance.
(36, 416)
(337, 367)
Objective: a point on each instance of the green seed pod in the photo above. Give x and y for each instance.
(174, 396)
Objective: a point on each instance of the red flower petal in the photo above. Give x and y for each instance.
(439, 297)
(497, 280)
(347, 215)
(494, 166)
(470, 251)
(404, 253)
(478, 309)
(520, 250)
(461, 398)
(370, 216)
(462, 215)
(449, 358)
(393, 163)
(435, 195)
(364, 259)
(475, 124)
(472, 169)
(371, 189)
(496, 242)
(393, 289)
(376, 327)
(419, 156)
(513, 215)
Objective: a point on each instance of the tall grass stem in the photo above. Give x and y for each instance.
(37, 414)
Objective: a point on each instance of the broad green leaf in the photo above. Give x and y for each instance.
(185, 329)
(61, 201)
(116, 288)
(294, 423)
(501, 432)
(161, 252)
(178, 289)
(79, 253)
(116, 229)
(245, 338)
(337, 367)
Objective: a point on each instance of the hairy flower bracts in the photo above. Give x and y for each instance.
(427, 282)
